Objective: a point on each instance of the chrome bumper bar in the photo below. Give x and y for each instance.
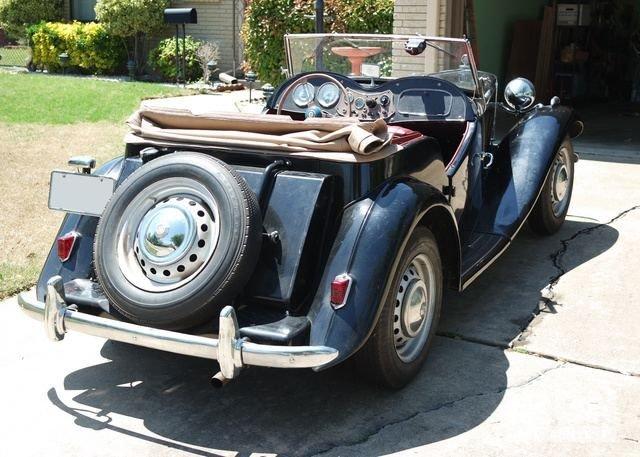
(230, 350)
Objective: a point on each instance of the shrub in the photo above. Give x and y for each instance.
(265, 24)
(90, 48)
(207, 52)
(361, 16)
(267, 21)
(163, 59)
(17, 15)
(133, 20)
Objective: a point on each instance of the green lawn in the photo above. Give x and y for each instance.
(45, 119)
(49, 99)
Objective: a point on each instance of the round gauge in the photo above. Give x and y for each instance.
(328, 95)
(359, 103)
(303, 94)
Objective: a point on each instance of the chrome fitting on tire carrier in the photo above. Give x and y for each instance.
(231, 351)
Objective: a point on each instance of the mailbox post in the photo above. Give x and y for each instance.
(181, 16)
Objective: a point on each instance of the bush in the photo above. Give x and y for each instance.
(361, 16)
(267, 21)
(134, 20)
(17, 15)
(90, 48)
(163, 59)
(265, 24)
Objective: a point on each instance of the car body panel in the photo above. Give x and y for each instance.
(322, 218)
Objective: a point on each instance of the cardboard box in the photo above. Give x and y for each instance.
(573, 14)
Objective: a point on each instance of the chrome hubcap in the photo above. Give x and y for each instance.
(168, 234)
(561, 181)
(174, 239)
(414, 308)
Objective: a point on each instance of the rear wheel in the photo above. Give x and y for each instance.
(398, 346)
(177, 241)
(552, 206)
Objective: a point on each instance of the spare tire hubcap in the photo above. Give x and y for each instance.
(167, 240)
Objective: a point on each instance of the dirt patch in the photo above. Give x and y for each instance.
(29, 153)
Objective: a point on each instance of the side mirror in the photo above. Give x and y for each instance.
(520, 94)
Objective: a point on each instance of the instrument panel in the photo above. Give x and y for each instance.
(333, 100)
(333, 95)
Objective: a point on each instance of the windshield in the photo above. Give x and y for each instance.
(383, 56)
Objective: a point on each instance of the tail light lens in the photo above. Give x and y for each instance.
(65, 245)
(340, 287)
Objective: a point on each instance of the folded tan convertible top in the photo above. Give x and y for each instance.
(192, 121)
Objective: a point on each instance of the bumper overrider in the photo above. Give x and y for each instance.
(230, 350)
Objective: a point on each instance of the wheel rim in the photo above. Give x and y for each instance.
(167, 234)
(560, 182)
(414, 308)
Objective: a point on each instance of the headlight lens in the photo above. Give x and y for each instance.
(328, 95)
(303, 94)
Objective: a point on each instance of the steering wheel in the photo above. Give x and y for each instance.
(306, 78)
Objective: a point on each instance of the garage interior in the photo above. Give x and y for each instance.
(586, 52)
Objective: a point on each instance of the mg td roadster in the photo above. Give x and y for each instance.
(325, 228)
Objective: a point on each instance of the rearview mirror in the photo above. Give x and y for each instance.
(520, 94)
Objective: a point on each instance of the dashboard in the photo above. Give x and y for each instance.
(334, 95)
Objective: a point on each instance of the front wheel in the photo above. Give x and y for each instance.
(552, 206)
(398, 346)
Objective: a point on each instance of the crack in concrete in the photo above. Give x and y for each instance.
(546, 302)
(557, 256)
(448, 404)
(547, 294)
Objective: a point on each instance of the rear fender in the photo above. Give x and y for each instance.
(80, 264)
(521, 164)
(368, 247)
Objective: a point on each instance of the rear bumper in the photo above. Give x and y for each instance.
(230, 350)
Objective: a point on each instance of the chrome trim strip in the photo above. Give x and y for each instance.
(231, 351)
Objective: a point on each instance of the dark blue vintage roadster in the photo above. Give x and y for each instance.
(321, 230)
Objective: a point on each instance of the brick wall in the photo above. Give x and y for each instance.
(67, 9)
(215, 24)
(411, 17)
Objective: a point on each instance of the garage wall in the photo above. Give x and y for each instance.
(494, 20)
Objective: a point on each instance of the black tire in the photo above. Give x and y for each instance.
(221, 273)
(544, 220)
(378, 360)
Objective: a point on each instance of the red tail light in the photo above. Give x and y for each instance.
(340, 287)
(66, 244)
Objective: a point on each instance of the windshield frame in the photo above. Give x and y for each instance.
(477, 91)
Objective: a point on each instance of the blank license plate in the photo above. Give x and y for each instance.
(80, 193)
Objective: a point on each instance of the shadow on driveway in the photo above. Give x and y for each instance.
(304, 413)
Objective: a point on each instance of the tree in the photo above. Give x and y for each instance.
(133, 21)
(17, 15)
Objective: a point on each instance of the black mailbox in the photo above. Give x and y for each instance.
(180, 16)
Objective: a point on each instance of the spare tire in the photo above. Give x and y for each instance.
(177, 241)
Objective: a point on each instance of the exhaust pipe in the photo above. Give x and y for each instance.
(219, 381)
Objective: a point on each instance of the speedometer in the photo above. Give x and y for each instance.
(303, 94)
(328, 95)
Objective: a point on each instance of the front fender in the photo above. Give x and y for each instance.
(522, 162)
(368, 247)
(79, 264)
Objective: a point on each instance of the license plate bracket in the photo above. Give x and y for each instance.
(80, 193)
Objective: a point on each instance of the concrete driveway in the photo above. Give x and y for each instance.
(512, 372)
